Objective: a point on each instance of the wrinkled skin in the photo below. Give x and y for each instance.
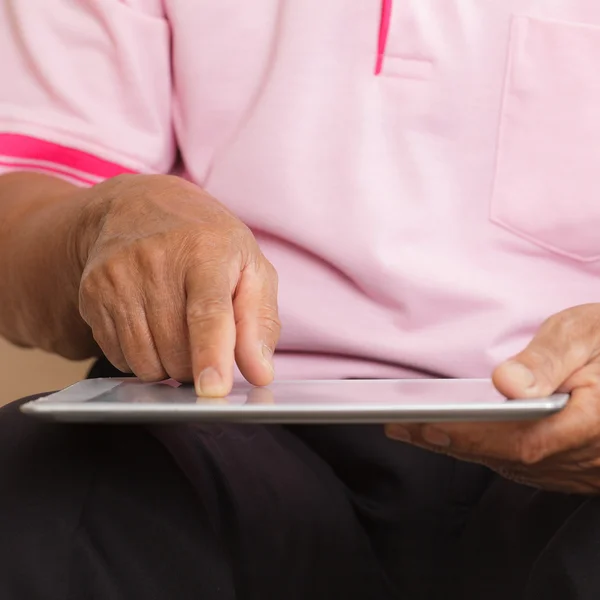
(561, 452)
(176, 286)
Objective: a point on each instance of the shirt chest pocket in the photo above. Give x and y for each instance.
(547, 181)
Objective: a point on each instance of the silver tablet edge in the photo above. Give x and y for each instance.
(100, 412)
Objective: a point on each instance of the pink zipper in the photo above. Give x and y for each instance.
(384, 27)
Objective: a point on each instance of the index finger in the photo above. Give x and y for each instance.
(477, 441)
(211, 326)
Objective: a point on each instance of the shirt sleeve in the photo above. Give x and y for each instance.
(85, 89)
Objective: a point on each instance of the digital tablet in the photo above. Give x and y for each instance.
(347, 401)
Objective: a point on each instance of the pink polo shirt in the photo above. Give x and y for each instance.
(424, 174)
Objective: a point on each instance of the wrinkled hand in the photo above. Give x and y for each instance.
(176, 286)
(561, 452)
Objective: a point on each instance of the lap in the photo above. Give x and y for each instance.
(247, 512)
(284, 518)
(178, 512)
(476, 533)
(412, 504)
(98, 512)
(526, 543)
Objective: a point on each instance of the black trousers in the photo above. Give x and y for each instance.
(222, 512)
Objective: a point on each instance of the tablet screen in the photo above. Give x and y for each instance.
(413, 392)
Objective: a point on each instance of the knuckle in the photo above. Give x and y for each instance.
(180, 373)
(570, 325)
(150, 256)
(241, 235)
(111, 349)
(91, 303)
(114, 273)
(577, 340)
(85, 308)
(530, 450)
(207, 310)
(150, 373)
(271, 324)
(546, 361)
(547, 364)
(271, 277)
(119, 364)
(106, 342)
(178, 365)
(218, 243)
(88, 286)
(270, 270)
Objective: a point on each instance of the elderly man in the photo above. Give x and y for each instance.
(424, 178)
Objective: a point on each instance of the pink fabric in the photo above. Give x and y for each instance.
(22, 151)
(550, 121)
(430, 217)
(93, 76)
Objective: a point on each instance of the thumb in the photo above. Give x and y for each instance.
(564, 343)
(257, 322)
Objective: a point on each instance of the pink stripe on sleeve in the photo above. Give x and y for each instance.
(7, 166)
(26, 148)
(384, 27)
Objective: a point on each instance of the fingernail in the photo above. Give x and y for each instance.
(210, 383)
(267, 354)
(435, 437)
(521, 375)
(397, 432)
